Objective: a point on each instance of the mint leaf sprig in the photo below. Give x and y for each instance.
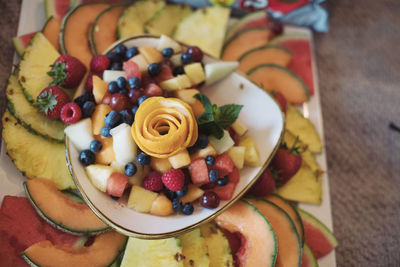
(215, 119)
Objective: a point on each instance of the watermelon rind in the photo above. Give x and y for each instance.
(309, 255)
(18, 45)
(238, 24)
(237, 34)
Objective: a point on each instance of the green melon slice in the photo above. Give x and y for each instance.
(149, 253)
(308, 259)
(60, 211)
(195, 250)
(134, 17)
(35, 156)
(166, 19)
(219, 250)
(28, 115)
(204, 28)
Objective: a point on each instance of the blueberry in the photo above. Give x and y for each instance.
(134, 110)
(178, 71)
(87, 109)
(105, 131)
(202, 141)
(186, 58)
(112, 119)
(182, 192)
(210, 160)
(131, 52)
(114, 57)
(134, 83)
(87, 157)
(141, 99)
(192, 149)
(116, 66)
(143, 159)
(113, 197)
(120, 50)
(130, 169)
(213, 175)
(167, 52)
(126, 116)
(223, 181)
(113, 87)
(154, 69)
(80, 100)
(95, 146)
(121, 82)
(176, 204)
(124, 91)
(187, 208)
(169, 194)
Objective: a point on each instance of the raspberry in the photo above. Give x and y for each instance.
(153, 182)
(173, 179)
(99, 63)
(70, 113)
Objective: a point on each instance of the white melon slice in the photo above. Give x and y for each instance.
(124, 146)
(223, 144)
(80, 134)
(218, 70)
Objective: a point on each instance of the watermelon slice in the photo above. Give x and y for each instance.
(308, 259)
(254, 19)
(21, 227)
(319, 238)
(301, 63)
(21, 42)
(57, 8)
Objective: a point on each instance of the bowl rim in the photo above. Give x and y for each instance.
(136, 234)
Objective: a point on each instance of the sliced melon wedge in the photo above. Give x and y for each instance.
(277, 78)
(308, 259)
(51, 31)
(60, 211)
(35, 156)
(253, 19)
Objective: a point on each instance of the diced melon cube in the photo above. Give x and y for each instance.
(182, 159)
(199, 171)
(225, 192)
(195, 72)
(177, 83)
(161, 206)
(113, 75)
(187, 95)
(165, 42)
(80, 133)
(141, 199)
(160, 165)
(223, 164)
(239, 128)
(151, 54)
(209, 150)
(100, 88)
(124, 145)
(106, 155)
(141, 62)
(223, 144)
(193, 193)
(251, 156)
(176, 60)
(141, 173)
(98, 116)
(237, 155)
(98, 175)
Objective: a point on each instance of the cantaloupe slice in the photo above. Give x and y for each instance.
(51, 31)
(253, 19)
(289, 243)
(243, 41)
(269, 54)
(103, 32)
(74, 37)
(273, 77)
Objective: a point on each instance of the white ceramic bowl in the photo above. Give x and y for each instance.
(261, 114)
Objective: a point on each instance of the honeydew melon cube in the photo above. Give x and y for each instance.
(141, 62)
(193, 193)
(161, 206)
(251, 156)
(151, 54)
(223, 144)
(160, 165)
(113, 75)
(218, 70)
(187, 95)
(124, 146)
(176, 60)
(239, 128)
(141, 199)
(98, 175)
(195, 73)
(182, 159)
(165, 42)
(80, 133)
(209, 150)
(237, 155)
(177, 83)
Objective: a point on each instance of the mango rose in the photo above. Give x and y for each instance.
(164, 126)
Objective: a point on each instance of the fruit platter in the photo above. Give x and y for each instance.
(125, 105)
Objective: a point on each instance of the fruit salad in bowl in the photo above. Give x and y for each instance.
(170, 138)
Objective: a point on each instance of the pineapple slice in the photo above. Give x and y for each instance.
(176, 60)
(141, 61)
(251, 156)
(202, 153)
(210, 26)
(177, 83)
(195, 249)
(239, 128)
(182, 159)
(161, 206)
(161, 252)
(237, 154)
(150, 54)
(141, 199)
(98, 175)
(193, 193)
(141, 173)
(35, 156)
(195, 73)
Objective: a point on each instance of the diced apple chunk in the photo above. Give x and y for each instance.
(141, 199)
(209, 150)
(251, 156)
(239, 128)
(141, 62)
(182, 159)
(237, 155)
(165, 42)
(193, 193)
(80, 133)
(177, 83)
(124, 145)
(160, 165)
(99, 88)
(151, 54)
(218, 70)
(161, 206)
(113, 75)
(223, 144)
(195, 73)
(98, 175)
(187, 95)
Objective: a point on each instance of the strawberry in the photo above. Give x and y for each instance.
(286, 162)
(173, 179)
(153, 182)
(51, 100)
(67, 71)
(99, 64)
(264, 185)
(281, 100)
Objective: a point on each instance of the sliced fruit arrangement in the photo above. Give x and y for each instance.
(254, 19)
(308, 259)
